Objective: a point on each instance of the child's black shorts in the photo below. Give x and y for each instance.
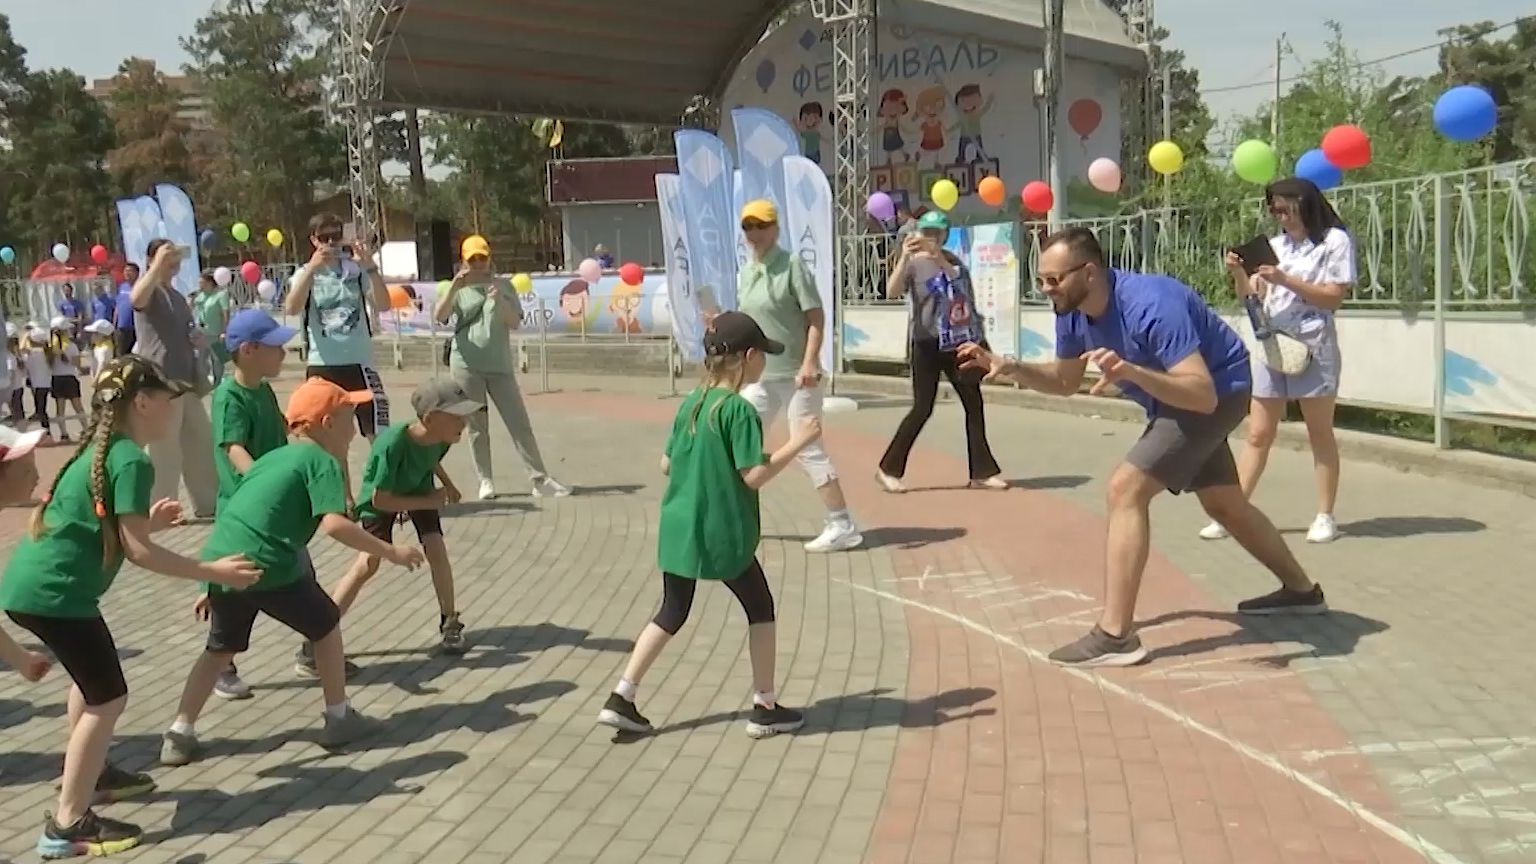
(383, 526)
(84, 647)
(303, 606)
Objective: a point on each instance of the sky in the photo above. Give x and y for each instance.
(1231, 42)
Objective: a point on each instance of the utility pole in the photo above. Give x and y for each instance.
(1274, 111)
(1054, 14)
(1167, 74)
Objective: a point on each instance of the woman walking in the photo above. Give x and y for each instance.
(943, 318)
(1300, 296)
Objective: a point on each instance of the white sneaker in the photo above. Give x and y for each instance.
(1323, 530)
(838, 536)
(889, 483)
(549, 487)
(487, 490)
(1214, 531)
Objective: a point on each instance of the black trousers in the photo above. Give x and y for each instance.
(928, 362)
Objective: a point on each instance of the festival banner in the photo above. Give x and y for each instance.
(687, 318)
(763, 142)
(560, 304)
(743, 251)
(994, 267)
(139, 222)
(704, 181)
(808, 226)
(180, 227)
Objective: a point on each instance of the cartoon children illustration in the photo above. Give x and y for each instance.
(624, 305)
(968, 124)
(930, 113)
(808, 124)
(575, 299)
(893, 107)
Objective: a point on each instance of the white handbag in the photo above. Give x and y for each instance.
(1281, 352)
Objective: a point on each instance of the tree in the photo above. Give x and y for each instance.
(59, 138)
(1508, 69)
(499, 169)
(151, 138)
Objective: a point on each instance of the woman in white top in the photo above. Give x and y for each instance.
(1316, 271)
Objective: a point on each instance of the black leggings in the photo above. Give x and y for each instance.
(750, 588)
(928, 363)
(40, 406)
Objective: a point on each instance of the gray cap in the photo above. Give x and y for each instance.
(441, 394)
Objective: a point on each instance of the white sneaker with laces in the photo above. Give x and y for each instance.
(487, 490)
(549, 487)
(839, 536)
(889, 483)
(1323, 530)
(1214, 531)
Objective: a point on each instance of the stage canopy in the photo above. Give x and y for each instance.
(642, 61)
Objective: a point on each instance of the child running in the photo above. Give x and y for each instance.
(282, 501)
(710, 526)
(64, 356)
(97, 513)
(397, 480)
(18, 478)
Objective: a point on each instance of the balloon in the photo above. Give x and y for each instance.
(881, 207)
(398, 298)
(1165, 157)
(7, 255)
(207, 239)
(240, 231)
(945, 194)
(991, 191)
(1314, 166)
(1085, 115)
(765, 74)
(1347, 147)
(222, 277)
(1105, 175)
(274, 238)
(99, 254)
(1466, 113)
(522, 283)
(266, 289)
(1255, 161)
(250, 271)
(631, 273)
(60, 253)
(1038, 197)
(590, 271)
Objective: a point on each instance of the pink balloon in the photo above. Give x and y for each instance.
(590, 271)
(250, 271)
(1104, 175)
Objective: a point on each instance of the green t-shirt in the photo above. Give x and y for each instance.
(275, 511)
(212, 313)
(246, 416)
(485, 345)
(709, 516)
(777, 292)
(397, 465)
(62, 574)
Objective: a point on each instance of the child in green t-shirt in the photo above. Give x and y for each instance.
(18, 477)
(710, 526)
(287, 496)
(398, 480)
(98, 513)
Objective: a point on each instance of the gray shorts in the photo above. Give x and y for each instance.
(1186, 451)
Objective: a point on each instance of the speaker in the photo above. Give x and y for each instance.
(434, 251)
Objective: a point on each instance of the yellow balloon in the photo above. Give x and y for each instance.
(274, 238)
(1165, 157)
(945, 194)
(522, 283)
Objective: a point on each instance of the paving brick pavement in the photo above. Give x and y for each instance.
(1397, 729)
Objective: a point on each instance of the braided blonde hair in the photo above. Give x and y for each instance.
(721, 370)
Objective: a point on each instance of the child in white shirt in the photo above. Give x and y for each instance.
(37, 363)
(64, 360)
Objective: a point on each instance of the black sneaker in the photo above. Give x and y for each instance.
(766, 722)
(92, 835)
(1286, 602)
(304, 664)
(620, 713)
(115, 784)
(452, 631)
(1101, 649)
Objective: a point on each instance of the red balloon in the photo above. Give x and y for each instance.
(1085, 115)
(250, 271)
(1038, 197)
(1347, 147)
(632, 273)
(99, 254)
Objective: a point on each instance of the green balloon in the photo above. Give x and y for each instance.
(240, 231)
(1255, 161)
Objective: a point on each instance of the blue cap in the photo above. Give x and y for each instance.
(254, 325)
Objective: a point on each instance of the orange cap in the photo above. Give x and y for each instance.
(317, 399)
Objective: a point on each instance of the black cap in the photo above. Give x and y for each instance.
(737, 333)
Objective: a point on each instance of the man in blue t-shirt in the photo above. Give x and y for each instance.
(122, 316)
(1154, 339)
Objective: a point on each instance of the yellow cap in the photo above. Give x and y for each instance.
(475, 245)
(761, 210)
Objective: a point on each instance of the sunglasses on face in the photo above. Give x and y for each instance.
(1054, 280)
(329, 237)
(754, 225)
(1281, 209)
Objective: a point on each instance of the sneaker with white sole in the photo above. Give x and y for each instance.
(890, 484)
(621, 714)
(995, 483)
(549, 487)
(1214, 531)
(1323, 530)
(487, 490)
(177, 749)
(838, 536)
(766, 722)
(1098, 648)
(352, 726)
(229, 686)
(1287, 602)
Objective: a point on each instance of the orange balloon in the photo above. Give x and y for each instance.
(991, 191)
(398, 298)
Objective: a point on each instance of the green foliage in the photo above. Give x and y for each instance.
(59, 137)
(1507, 68)
(151, 139)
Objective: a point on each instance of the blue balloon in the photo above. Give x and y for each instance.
(1314, 166)
(8, 255)
(1466, 113)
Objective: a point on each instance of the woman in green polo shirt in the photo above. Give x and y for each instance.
(709, 527)
(97, 513)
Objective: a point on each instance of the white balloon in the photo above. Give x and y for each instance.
(60, 253)
(222, 277)
(266, 290)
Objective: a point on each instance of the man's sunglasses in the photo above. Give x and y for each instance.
(755, 225)
(329, 237)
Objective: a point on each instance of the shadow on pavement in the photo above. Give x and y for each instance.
(1410, 526)
(499, 504)
(1070, 481)
(598, 491)
(909, 537)
(1336, 634)
(18, 712)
